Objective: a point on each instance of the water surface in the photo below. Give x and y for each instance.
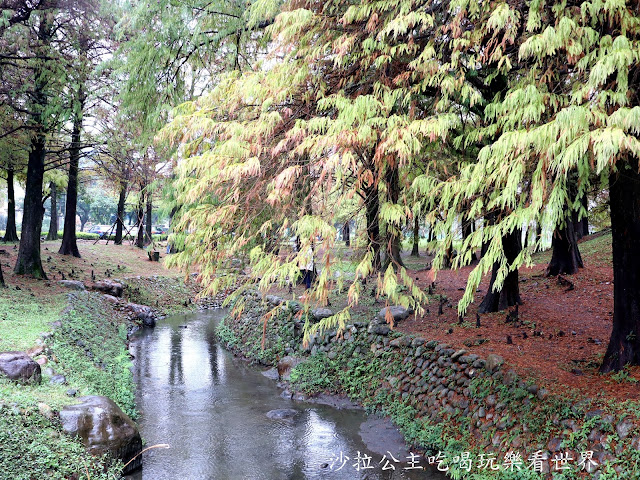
(211, 408)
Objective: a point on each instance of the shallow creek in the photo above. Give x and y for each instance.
(211, 408)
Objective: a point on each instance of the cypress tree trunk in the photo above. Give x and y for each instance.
(581, 226)
(140, 238)
(624, 194)
(69, 244)
(346, 233)
(149, 217)
(415, 251)
(11, 235)
(566, 258)
(394, 247)
(53, 223)
(509, 295)
(29, 261)
(120, 220)
(372, 208)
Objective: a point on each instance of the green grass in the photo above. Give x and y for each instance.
(23, 318)
(90, 350)
(595, 251)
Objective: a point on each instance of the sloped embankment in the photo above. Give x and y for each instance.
(446, 401)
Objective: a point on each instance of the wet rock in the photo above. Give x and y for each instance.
(72, 284)
(397, 312)
(20, 367)
(272, 374)
(108, 287)
(285, 365)
(493, 362)
(542, 393)
(110, 298)
(458, 354)
(58, 379)
(274, 300)
(282, 414)
(103, 428)
(624, 428)
(142, 313)
(379, 329)
(320, 313)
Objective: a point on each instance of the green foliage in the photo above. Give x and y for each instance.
(32, 446)
(90, 347)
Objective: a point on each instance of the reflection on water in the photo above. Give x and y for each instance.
(211, 408)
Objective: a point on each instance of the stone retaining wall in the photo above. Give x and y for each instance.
(451, 401)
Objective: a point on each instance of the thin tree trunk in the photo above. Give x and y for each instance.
(140, 238)
(415, 250)
(149, 217)
(11, 235)
(394, 247)
(346, 233)
(581, 226)
(120, 220)
(372, 208)
(624, 194)
(69, 244)
(509, 294)
(53, 223)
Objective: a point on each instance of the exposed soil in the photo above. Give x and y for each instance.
(105, 261)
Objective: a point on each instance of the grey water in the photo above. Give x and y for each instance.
(211, 408)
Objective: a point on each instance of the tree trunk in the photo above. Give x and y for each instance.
(120, 220)
(566, 258)
(29, 261)
(53, 223)
(372, 208)
(581, 226)
(346, 233)
(509, 295)
(1, 277)
(11, 235)
(394, 236)
(140, 238)
(624, 194)
(69, 244)
(415, 250)
(149, 217)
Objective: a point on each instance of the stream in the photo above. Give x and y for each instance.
(211, 408)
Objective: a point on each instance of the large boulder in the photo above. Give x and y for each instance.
(320, 313)
(108, 287)
(104, 428)
(142, 313)
(72, 284)
(397, 312)
(20, 367)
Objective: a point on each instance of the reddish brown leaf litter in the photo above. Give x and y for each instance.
(558, 340)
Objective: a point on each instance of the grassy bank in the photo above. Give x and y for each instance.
(89, 349)
(78, 335)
